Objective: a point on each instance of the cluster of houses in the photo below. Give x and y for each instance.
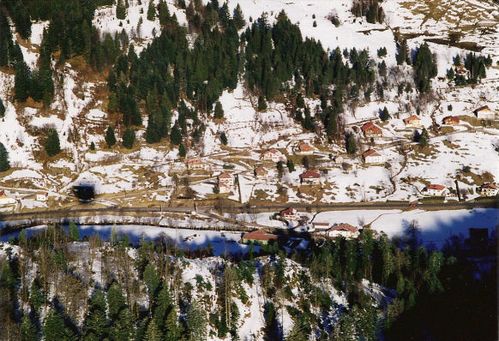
(489, 189)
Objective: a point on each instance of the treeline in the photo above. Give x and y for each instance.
(371, 9)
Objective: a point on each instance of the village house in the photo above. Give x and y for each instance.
(225, 182)
(289, 214)
(413, 121)
(484, 113)
(461, 70)
(6, 201)
(372, 157)
(258, 236)
(489, 190)
(260, 172)
(310, 177)
(435, 190)
(343, 230)
(371, 130)
(450, 120)
(304, 148)
(196, 164)
(273, 155)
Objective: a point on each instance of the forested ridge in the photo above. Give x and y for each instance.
(57, 287)
(185, 69)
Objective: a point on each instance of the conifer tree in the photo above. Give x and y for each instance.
(384, 115)
(425, 68)
(95, 324)
(181, 150)
(290, 165)
(115, 300)
(403, 55)
(28, 329)
(219, 111)
(110, 137)
(120, 10)
(4, 158)
(151, 11)
(54, 328)
(128, 138)
(196, 322)
(153, 333)
(223, 138)
(176, 135)
(52, 144)
(424, 138)
(74, 233)
(262, 104)
(351, 144)
(22, 81)
(2, 109)
(238, 17)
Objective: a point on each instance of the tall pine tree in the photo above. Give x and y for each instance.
(52, 144)
(4, 158)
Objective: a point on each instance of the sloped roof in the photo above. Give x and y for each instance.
(259, 235)
(371, 127)
(344, 227)
(436, 187)
(310, 174)
(370, 152)
(288, 211)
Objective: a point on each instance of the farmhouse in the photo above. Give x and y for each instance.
(484, 113)
(289, 214)
(435, 190)
(450, 120)
(225, 182)
(372, 157)
(489, 190)
(310, 177)
(273, 155)
(413, 121)
(304, 148)
(343, 230)
(320, 226)
(460, 70)
(371, 130)
(5, 200)
(258, 236)
(196, 164)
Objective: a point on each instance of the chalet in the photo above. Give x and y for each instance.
(450, 120)
(225, 182)
(484, 113)
(260, 172)
(289, 214)
(310, 177)
(489, 190)
(273, 155)
(5, 200)
(196, 164)
(304, 148)
(371, 130)
(413, 121)
(372, 157)
(343, 230)
(258, 236)
(435, 190)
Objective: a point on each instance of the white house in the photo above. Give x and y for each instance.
(41, 197)
(196, 164)
(435, 190)
(372, 157)
(343, 230)
(484, 113)
(273, 155)
(489, 190)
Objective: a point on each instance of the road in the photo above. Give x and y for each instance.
(44, 216)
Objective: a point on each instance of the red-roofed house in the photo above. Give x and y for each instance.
(196, 164)
(273, 155)
(310, 177)
(304, 148)
(371, 130)
(412, 121)
(258, 236)
(435, 190)
(489, 190)
(371, 156)
(343, 230)
(289, 214)
(450, 120)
